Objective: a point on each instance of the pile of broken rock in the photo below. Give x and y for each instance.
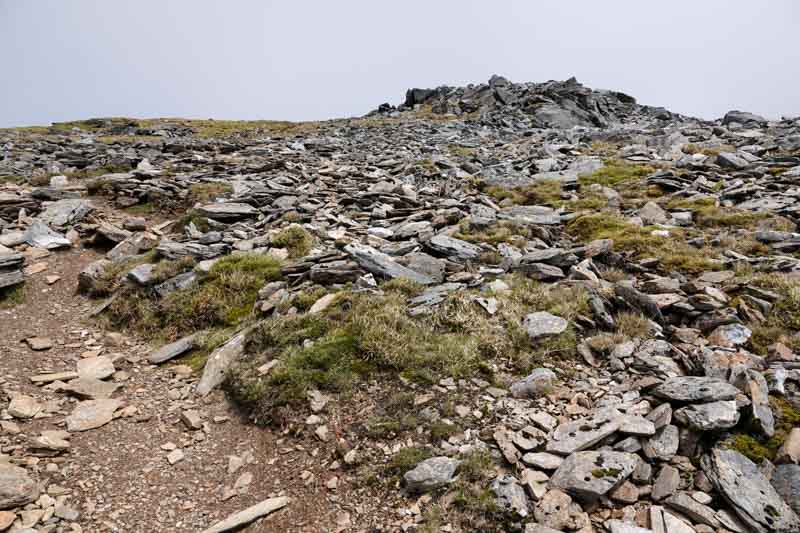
(633, 439)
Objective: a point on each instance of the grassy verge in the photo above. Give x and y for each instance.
(224, 298)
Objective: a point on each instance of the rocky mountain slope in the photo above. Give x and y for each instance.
(504, 307)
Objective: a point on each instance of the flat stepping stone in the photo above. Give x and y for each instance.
(544, 324)
(696, 389)
(92, 414)
(583, 433)
(741, 483)
(590, 475)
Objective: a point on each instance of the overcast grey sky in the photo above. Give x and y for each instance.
(300, 60)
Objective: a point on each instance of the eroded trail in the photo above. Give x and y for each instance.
(167, 461)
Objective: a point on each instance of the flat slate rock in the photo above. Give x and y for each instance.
(219, 361)
(89, 388)
(99, 367)
(786, 480)
(455, 248)
(174, 349)
(543, 324)
(583, 433)
(431, 474)
(227, 211)
(663, 445)
(92, 414)
(40, 235)
(695, 389)
(65, 212)
(590, 475)
(510, 496)
(709, 416)
(380, 264)
(749, 493)
(250, 514)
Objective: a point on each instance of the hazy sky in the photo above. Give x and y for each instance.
(299, 60)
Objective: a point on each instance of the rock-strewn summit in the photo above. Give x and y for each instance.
(553, 104)
(510, 306)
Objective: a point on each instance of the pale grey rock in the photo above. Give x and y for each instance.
(663, 445)
(695, 389)
(583, 433)
(176, 283)
(789, 452)
(541, 271)
(62, 213)
(543, 324)
(431, 474)
(174, 349)
(542, 460)
(631, 424)
(382, 265)
(667, 482)
(530, 214)
(227, 211)
(709, 416)
(651, 213)
(40, 235)
(730, 335)
(589, 475)
(99, 367)
(23, 406)
(510, 496)
(786, 481)
(557, 511)
(537, 383)
(141, 274)
(219, 361)
(696, 511)
(89, 388)
(92, 414)
(249, 515)
(749, 493)
(618, 526)
(761, 412)
(453, 248)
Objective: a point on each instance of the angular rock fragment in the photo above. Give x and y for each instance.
(510, 496)
(382, 265)
(710, 416)
(431, 474)
(695, 389)
(174, 349)
(543, 324)
(749, 493)
(589, 475)
(92, 414)
(583, 433)
(17, 488)
(249, 515)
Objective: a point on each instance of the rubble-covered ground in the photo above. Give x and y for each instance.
(501, 307)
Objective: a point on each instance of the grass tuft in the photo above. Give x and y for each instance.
(12, 296)
(295, 239)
